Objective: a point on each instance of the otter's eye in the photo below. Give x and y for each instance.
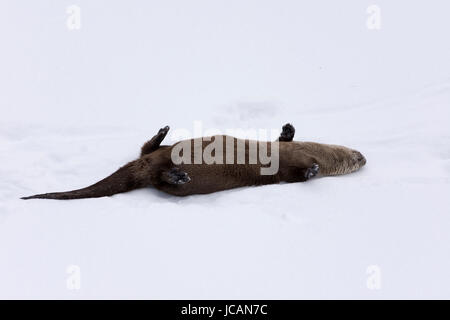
(360, 158)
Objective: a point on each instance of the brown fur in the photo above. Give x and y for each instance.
(155, 167)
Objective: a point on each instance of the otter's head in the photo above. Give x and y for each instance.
(336, 160)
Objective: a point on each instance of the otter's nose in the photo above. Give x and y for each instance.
(361, 159)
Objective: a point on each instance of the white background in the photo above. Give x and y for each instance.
(77, 104)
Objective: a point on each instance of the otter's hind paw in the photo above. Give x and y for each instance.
(163, 131)
(176, 176)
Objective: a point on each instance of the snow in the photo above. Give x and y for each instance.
(76, 105)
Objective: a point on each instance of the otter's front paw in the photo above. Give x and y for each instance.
(312, 172)
(287, 133)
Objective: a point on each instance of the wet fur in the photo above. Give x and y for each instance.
(298, 162)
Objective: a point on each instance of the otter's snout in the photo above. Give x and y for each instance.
(359, 158)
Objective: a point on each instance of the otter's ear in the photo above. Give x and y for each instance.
(287, 133)
(154, 142)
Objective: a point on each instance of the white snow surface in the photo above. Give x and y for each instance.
(76, 105)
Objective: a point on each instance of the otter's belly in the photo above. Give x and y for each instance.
(217, 177)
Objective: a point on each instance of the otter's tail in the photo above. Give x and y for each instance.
(122, 180)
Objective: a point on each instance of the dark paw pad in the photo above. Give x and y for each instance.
(287, 133)
(312, 172)
(176, 176)
(163, 131)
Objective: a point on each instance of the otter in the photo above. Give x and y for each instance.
(298, 162)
